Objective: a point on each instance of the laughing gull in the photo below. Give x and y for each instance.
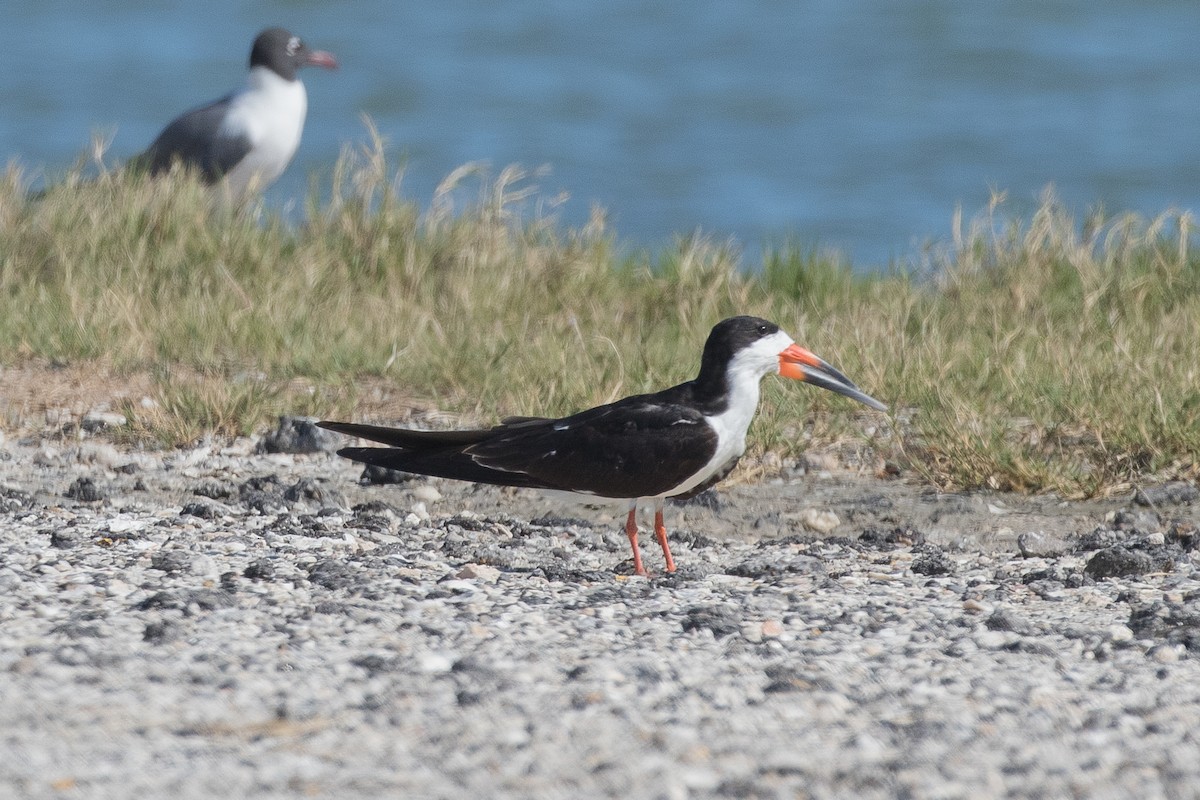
(249, 136)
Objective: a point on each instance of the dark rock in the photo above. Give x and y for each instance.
(263, 501)
(932, 561)
(474, 667)
(874, 537)
(161, 631)
(374, 663)
(1121, 561)
(776, 564)
(708, 499)
(555, 572)
(890, 539)
(683, 575)
(371, 522)
(1183, 533)
(311, 489)
(549, 520)
(299, 435)
(77, 630)
(333, 575)
(260, 483)
(172, 561)
(475, 524)
(382, 476)
(262, 494)
(329, 607)
(375, 507)
(201, 510)
(374, 516)
(1178, 623)
(721, 621)
(801, 540)
(1066, 577)
(187, 600)
(85, 490)
(14, 500)
(1008, 621)
(1167, 494)
(1137, 522)
(1029, 646)
(694, 540)
(214, 490)
(261, 570)
(783, 678)
(65, 538)
(314, 527)
(1101, 538)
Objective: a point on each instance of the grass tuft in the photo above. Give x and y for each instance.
(1030, 354)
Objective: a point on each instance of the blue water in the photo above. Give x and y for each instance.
(839, 123)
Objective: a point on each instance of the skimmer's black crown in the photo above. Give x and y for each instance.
(727, 339)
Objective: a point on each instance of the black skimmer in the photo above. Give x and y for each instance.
(650, 447)
(249, 136)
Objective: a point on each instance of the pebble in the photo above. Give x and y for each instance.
(1167, 653)
(1120, 633)
(992, 639)
(126, 525)
(772, 628)
(435, 663)
(482, 572)
(973, 606)
(426, 494)
(818, 520)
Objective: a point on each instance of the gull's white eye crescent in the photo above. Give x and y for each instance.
(293, 45)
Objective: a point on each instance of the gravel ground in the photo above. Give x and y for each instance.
(226, 622)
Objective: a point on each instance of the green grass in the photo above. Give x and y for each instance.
(1034, 354)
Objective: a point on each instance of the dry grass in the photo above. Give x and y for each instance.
(1033, 354)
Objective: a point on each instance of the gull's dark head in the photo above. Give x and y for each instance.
(284, 54)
